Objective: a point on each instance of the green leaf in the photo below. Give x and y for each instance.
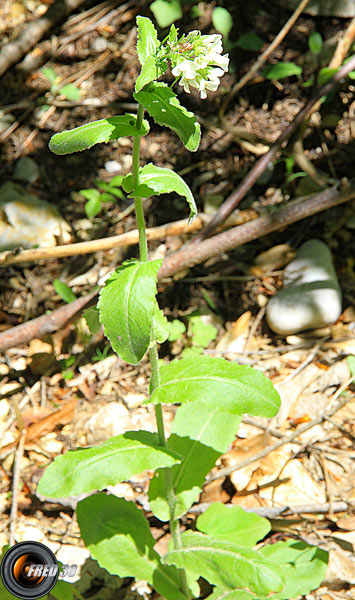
(192, 351)
(119, 538)
(116, 459)
(147, 39)
(157, 180)
(126, 307)
(70, 92)
(93, 207)
(202, 333)
(304, 566)
(325, 74)
(163, 105)
(63, 590)
(226, 564)
(109, 188)
(233, 524)
(165, 12)
(222, 594)
(176, 330)
(229, 387)
(351, 364)
(90, 194)
(64, 291)
(250, 41)
(92, 319)
(148, 73)
(50, 74)
(97, 132)
(315, 42)
(222, 20)
(160, 323)
(200, 434)
(281, 70)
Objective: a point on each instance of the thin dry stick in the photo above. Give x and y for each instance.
(12, 257)
(187, 257)
(15, 486)
(287, 439)
(247, 183)
(33, 32)
(277, 511)
(264, 56)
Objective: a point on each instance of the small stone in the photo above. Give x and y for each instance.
(311, 295)
(112, 166)
(26, 170)
(99, 44)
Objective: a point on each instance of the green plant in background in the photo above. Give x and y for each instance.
(69, 91)
(104, 192)
(212, 393)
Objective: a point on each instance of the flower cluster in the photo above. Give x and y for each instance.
(198, 61)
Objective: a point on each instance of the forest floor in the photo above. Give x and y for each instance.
(67, 391)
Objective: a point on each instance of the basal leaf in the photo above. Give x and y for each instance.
(118, 537)
(304, 566)
(126, 307)
(94, 468)
(222, 594)
(163, 105)
(199, 434)
(233, 524)
(157, 180)
(97, 132)
(315, 42)
(220, 384)
(226, 564)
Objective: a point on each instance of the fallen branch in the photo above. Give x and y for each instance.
(186, 257)
(247, 183)
(271, 512)
(13, 257)
(194, 254)
(34, 31)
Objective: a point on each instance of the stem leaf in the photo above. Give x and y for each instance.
(115, 460)
(233, 524)
(147, 39)
(97, 132)
(200, 434)
(126, 306)
(231, 388)
(163, 105)
(157, 180)
(118, 537)
(227, 565)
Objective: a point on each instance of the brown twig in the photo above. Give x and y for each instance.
(243, 188)
(15, 486)
(186, 257)
(194, 254)
(12, 257)
(264, 56)
(287, 439)
(33, 32)
(276, 511)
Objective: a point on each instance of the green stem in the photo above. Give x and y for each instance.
(153, 355)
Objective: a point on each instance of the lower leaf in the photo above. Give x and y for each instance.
(227, 565)
(118, 537)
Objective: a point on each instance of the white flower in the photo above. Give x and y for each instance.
(187, 68)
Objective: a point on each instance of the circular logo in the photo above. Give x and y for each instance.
(29, 570)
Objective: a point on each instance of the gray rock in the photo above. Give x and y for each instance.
(26, 170)
(311, 295)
